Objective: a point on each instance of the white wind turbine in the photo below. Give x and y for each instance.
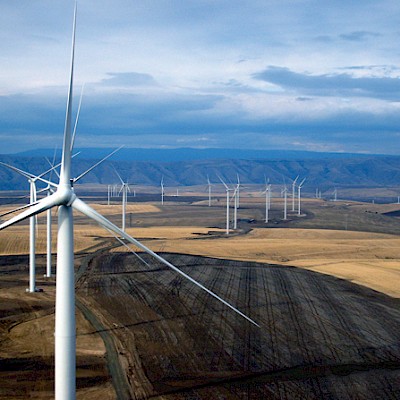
(293, 191)
(227, 204)
(108, 194)
(209, 191)
(267, 192)
(284, 193)
(236, 204)
(66, 200)
(299, 195)
(32, 179)
(335, 194)
(124, 189)
(162, 190)
(238, 192)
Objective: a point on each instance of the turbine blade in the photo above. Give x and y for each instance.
(53, 168)
(18, 209)
(226, 187)
(19, 171)
(95, 165)
(119, 176)
(65, 173)
(79, 205)
(77, 118)
(34, 209)
(28, 175)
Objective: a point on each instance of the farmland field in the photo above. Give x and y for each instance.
(327, 301)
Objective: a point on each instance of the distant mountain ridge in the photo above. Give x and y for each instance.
(192, 154)
(323, 170)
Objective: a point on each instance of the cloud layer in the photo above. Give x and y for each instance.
(277, 74)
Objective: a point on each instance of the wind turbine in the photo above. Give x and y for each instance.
(293, 191)
(335, 194)
(162, 190)
(227, 204)
(124, 189)
(209, 191)
(66, 200)
(238, 192)
(299, 195)
(32, 179)
(236, 204)
(284, 193)
(267, 192)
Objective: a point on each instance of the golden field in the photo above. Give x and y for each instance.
(367, 258)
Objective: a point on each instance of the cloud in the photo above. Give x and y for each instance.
(332, 84)
(128, 79)
(358, 36)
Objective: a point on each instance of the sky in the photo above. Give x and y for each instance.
(256, 74)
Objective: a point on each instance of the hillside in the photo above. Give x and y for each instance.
(324, 172)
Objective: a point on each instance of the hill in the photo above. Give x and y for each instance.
(323, 170)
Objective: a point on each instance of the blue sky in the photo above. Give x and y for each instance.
(300, 74)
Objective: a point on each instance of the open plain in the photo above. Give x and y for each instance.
(323, 286)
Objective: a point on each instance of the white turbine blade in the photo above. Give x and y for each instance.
(95, 165)
(18, 209)
(42, 205)
(77, 119)
(294, 182)
(79, 205)
(302, 182)
(28, 175)
(65, 174)
(19, 171)
(124, 244)
(53, 168)
(119, 176)
(226, 187)
(53, 163)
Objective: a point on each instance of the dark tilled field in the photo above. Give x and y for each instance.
(320, 337)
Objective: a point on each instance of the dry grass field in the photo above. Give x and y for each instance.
(132, 351)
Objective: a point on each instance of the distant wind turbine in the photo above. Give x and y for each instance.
(299, 195)
(267, 192)
(209, 191)
(162, 190)
(124, 190)
(293, 191)
(284, 193)
(227, 204)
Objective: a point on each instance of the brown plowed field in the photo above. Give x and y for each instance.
(320, 337)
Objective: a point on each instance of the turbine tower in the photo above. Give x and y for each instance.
(284, 193)
(162, 190)
(299, 195)
(209, 191)
(227, 204)
(124, 189)
(335, 194)
(238, 192)
(236, 204)
(293, 191)
(66, 200)
(267, 192)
